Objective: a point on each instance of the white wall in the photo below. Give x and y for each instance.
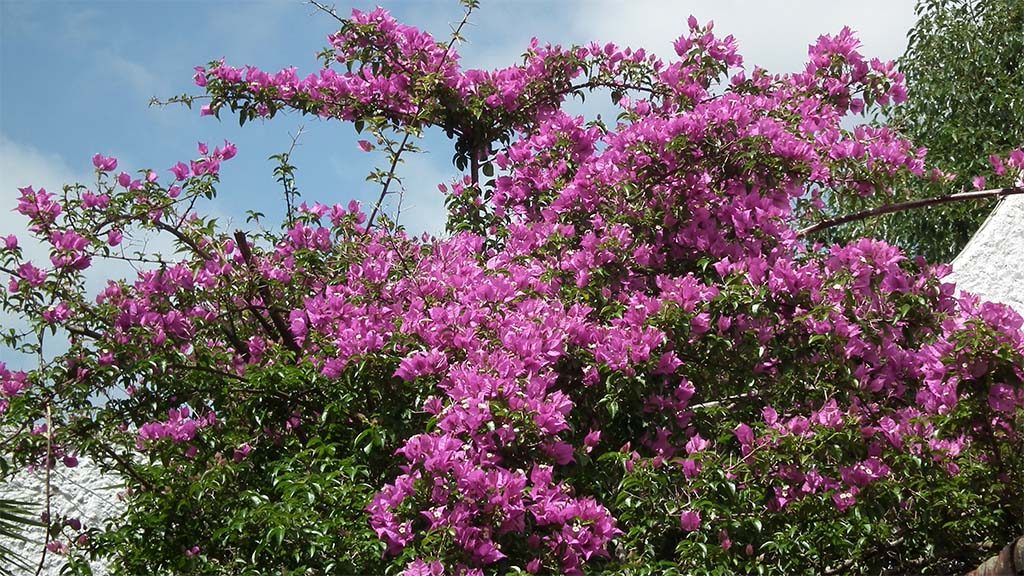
(992, 263)
(81, 492)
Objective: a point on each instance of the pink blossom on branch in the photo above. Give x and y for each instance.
(623, 330)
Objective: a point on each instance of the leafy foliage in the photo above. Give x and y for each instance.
(624, 359)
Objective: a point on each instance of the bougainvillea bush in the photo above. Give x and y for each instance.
(623, 358)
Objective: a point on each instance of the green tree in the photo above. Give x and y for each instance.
(964, 70)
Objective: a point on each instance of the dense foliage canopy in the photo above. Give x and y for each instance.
(623, 359)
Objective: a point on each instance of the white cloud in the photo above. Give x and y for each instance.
(24, 165)
(21, 166)
(773, 35)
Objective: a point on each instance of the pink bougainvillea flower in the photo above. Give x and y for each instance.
(241, 452)
(180, 171)
(104, 163)
(724, 540)
(689, 520)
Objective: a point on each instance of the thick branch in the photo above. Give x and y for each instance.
(267, 328)
(275, 316)
(909, 205)
(1009, 561)
(232, 335)
(83, 331)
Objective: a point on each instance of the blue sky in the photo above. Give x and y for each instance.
(76, 78)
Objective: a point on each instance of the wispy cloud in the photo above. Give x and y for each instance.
(22, 165)
(144, 82)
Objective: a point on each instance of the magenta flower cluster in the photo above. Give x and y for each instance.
(616, 261)
(180, 426)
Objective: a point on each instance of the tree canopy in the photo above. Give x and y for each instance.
(623, 358)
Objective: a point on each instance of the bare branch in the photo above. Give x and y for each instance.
(909, 205)
(329, 11)
(287, 177)
(389, 180)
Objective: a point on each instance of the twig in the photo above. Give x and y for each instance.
(183, 238)
(909, 205)
(15, 434)
(728, 400)
(390, 179)
(329, 11)
(187, 211)
(398, 208)
(288, 179)
(209, 370)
